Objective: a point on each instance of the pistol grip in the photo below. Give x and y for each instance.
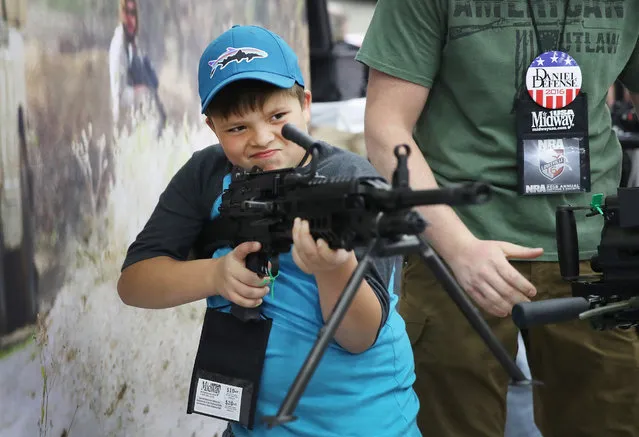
(256, 262)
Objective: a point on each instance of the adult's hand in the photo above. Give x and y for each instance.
(483, 270)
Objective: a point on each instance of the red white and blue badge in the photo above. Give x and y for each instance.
(553, 79)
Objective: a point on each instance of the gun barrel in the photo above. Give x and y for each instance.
(625, 305)
(463, 194)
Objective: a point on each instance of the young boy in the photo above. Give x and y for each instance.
(250, 85)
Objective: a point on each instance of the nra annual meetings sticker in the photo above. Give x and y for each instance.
(553, 79)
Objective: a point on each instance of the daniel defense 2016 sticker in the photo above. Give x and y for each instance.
(553, 79)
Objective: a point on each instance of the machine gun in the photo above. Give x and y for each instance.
(610, 297)
(347, 213)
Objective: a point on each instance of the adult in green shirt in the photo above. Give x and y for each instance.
(451, 78)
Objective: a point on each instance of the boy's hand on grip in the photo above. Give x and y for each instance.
(235, 282)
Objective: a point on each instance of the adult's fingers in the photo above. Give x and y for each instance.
(497, 304)
(512, 276)
(482, 298)
(506, 290)
(522, 252)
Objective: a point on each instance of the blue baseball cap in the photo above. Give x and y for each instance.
(246, 52)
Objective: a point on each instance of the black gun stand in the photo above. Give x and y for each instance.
(392, 241)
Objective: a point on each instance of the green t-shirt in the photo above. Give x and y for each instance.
(473, 55)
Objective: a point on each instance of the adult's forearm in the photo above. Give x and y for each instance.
(359, 327)
(445, 231)
(163, 282)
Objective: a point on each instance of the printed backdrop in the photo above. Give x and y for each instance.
(90, 366)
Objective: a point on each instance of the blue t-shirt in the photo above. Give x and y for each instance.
(367, 394)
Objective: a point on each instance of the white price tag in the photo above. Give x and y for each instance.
(217, 399)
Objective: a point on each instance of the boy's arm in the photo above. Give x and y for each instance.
(163, 282)
(156, 273)
(332, 269)
(362, 322)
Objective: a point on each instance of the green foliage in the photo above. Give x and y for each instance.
(15, 348)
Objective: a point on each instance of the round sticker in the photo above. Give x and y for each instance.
(553, 79)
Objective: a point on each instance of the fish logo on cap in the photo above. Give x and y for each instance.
(238, 55)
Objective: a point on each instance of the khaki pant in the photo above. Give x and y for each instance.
(591, 378)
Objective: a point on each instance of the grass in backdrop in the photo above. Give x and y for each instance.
(123, 370)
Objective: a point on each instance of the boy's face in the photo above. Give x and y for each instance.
(255, 138)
